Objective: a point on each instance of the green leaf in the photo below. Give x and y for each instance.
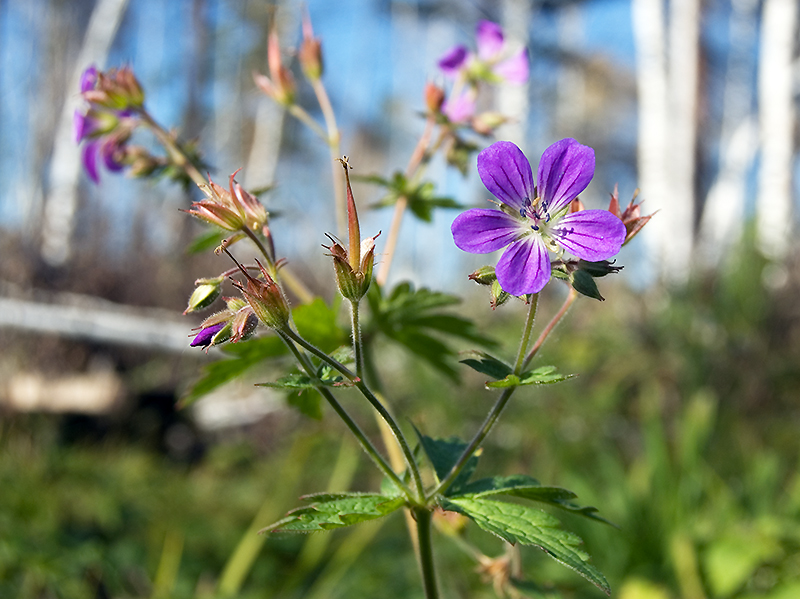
(207, 240)
(518, 523)
(487, 364)
(584, 283)
(546, 375)
(443, 455)
(245, 354)
(414, 319)
(336, 510)
(292, 381)
(317, 323)
(525, 487)
(307, 402)
(420, 196)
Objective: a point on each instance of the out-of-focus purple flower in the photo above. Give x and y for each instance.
(535, 221)
(495, 61)
(461, 108)
(89, 79)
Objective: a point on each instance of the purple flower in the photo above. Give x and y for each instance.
(206, 335)
(494, 62)
(460, 108)
(535, 221)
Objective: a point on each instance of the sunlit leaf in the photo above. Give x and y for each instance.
(519, 523)
(335, 510)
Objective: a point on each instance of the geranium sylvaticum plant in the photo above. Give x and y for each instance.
(547, 238)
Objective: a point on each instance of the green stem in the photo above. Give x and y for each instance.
(400, 438)
(571, 297)
(497, 408)
(342, 413)
(335, 150)
(526, 333)
(172, 147)
(358, 348)
(301, 115)
(426, 565)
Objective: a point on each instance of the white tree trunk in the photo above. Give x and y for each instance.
(684, 35)
(776, 116)
(512, 100)
(651, 71)
(723, 216)
(62, 199)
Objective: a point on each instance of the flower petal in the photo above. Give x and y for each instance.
(490, 39)
(565, 170)
(483, 231)
(88, 78)
(515, 69)
(524, 267)
(110, 151)
(506, 172)
(90, 160)
(590, 234)
(452, 62)
(461, 108)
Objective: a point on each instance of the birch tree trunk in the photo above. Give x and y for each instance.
(776, 116)
(723, 216)
(651, 78)
(684, 58)
(62, 198)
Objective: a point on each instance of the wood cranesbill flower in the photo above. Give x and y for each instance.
(495, 61)
(533, 221)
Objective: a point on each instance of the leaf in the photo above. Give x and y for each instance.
(420, 196)
(292, 381)
(245, 354)
(207, 240)
(443, 455)
(546, 375)
(336, 510)
(518, 523)
(525, 487)
(487, 364)
(584, 284)
(307, 402)
(317, 323)
(414, 319)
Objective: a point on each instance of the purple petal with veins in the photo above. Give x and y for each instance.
(590, 234)
(524, 267)
(506, 172)
(565, 170)
(483, 231)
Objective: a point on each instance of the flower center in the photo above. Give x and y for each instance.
(536, 211)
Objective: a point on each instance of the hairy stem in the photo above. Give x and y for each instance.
(174, 149)
(571, 297)
(373, 453)
(374, 402)
(426, 565)
(497, 408)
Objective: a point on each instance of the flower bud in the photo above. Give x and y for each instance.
(434, 97)
(484, 275)
(498, 296)
(310, 53)
(631, 217)
(280, 84)
(204, 294)
(266, 299)
(243, 324)
(486, 122)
